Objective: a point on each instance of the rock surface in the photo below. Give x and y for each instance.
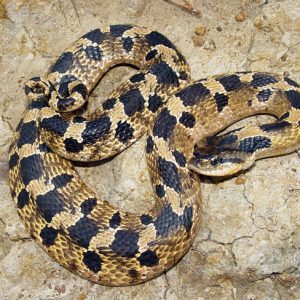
(249, 243)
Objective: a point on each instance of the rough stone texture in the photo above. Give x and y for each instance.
(249, 243)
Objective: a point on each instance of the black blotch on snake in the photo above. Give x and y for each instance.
(83, 231)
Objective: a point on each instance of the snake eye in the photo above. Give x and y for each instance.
(216, 161)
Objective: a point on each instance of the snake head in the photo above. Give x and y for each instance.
(220, 156)
(36, 88)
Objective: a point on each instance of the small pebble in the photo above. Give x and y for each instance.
(241, 17)
(240, 180)
(134, 8)
(219, 28)
(258, 23)
(200, 30)
(198, 40)
(209, 44)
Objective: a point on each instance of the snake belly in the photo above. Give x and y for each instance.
(66, 218)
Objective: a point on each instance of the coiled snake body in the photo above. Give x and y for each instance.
(86, 234)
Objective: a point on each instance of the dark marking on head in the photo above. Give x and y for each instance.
(50, 204)
(48, 235)
(96, 129)
(61, 180)
(125, 243)
(88, 205)
(220, 160)
(93, 261)
(93, 53)
(155, 102)
(187, 119)
(124, 132)
(160, 191)
(221, 101)
(259, 80)
(95, 36)
(28, 134)
(23, 198)
(149, 144)
(109, 103)
(294, 98)
(31, 168)
(277, 126)
(63, 63)
(133, 102)
(230, 82)
(164, 124)
(118, 30)
(251, 144)
(56, 124)
(13, 160)
(291, 82)
(115, 220)
(193, 94)
(148, 259)
(166, 221)
(83, 231)
(187, 218)
(72, 145)
(146, 219)
(137, 77)
(199, 154)
(180, 158)
(127, 44)
(227, 140)
(169, 173)
(164, 74)
(151, 54)
(284, 116)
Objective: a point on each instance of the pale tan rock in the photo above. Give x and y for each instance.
(198, 40)
(134, 7)
(200, 30)
(248, 245)
(241, 16)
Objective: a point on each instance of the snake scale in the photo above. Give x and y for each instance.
(67, 219)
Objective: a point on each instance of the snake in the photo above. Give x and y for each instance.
(182, 119)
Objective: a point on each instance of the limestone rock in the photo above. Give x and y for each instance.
(249, 243)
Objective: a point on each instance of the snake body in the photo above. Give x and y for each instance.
(67, 219)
